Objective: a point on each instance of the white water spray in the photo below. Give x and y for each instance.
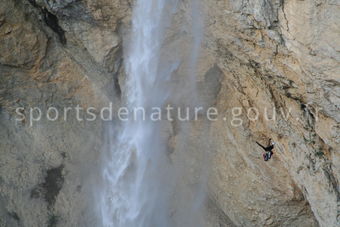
(140, 178)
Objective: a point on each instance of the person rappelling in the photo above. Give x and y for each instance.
(268, 150)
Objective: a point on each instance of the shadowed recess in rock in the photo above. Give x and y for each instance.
(51, 186)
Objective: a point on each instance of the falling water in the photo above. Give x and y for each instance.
(141, 178)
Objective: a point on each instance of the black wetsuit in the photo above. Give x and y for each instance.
(268, 150)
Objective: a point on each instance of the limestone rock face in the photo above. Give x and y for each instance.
(46, 166)
(269, 56)
(283, 55)
(22, 44)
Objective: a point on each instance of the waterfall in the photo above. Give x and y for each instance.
(141, 180)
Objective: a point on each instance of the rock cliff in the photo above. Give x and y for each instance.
(272, 56)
